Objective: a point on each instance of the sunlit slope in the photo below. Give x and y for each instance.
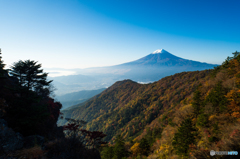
(185, 115)
(127, 107)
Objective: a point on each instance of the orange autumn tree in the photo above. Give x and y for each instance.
(233, 96)
(234, 106)
(135, 149)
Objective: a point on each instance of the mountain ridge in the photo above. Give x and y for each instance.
(126, 97)
(74, 98)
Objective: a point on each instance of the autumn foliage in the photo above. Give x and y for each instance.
(91, 139)
(196, 112)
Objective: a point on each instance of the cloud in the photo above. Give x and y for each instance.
(145, 82)
(60, 73)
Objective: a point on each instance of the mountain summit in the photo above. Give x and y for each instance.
(159, 51)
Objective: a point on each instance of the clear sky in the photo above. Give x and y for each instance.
(91, 33)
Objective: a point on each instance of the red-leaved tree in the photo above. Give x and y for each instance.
(74, 129)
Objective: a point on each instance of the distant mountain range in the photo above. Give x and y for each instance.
(150, 68)
(74, 98)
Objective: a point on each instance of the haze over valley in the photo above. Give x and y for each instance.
(119, 79)
(147, 69)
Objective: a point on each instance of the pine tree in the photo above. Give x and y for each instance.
(1, 65)
(119, 148)
(197, 102)
(235, 54)
(184, 137)
(144, 146)
(107, 152)
(30, 75)
(217, 97)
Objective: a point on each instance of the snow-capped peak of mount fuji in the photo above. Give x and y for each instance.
(159, 51)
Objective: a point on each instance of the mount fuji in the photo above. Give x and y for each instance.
(162, 58)
(155, 66)
(150, 68)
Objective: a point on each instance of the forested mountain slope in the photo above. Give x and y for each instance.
(181, 116)
(129, 106)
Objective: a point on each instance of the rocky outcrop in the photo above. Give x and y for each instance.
(9, 140)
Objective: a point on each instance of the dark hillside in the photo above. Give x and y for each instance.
(28, 119)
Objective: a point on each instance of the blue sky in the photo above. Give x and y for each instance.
(92, 33)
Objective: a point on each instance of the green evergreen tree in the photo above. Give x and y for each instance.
(144, 146)
(119, 148)
(197, 102)
(235, 54)
(30, 75)
(184, 137)
(1, 65)
(107, 152)
(217, 97)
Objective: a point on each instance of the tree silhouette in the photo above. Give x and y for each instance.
(31, 76)
(1, 65)
(74, 129)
